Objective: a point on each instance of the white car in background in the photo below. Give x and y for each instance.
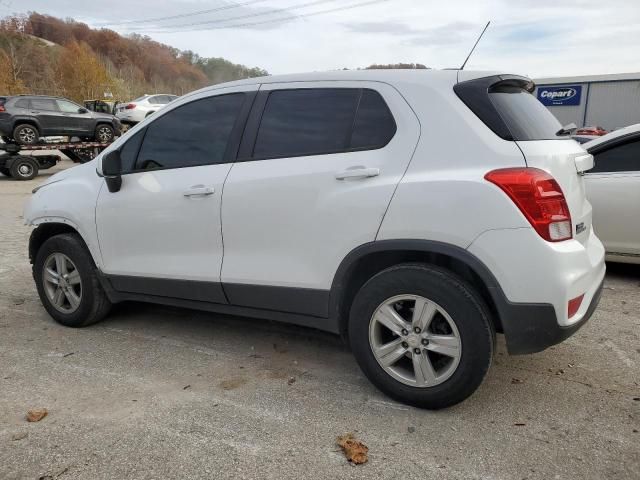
(137, 110)
(613, 188)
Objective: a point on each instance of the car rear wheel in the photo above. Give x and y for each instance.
(26, 134)
(421, 335)
(24, 168)
(104, 133)
(67, 282)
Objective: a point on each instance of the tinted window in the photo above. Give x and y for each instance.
(524, 115)
(374, 125)
(129, 151)
(621, 158)
(45, 104)
(22, 103)
(194, 134)
(306, 122)
(67, 107)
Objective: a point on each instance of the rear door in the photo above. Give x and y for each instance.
(49, 116)
(613, 188)
(317, 168)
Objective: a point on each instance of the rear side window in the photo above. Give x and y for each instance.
(44, 104)
(306, 122)
(193, 134)
(620, 158)
(22, 103)
(318, 121)
(506, 106)
(374, 125)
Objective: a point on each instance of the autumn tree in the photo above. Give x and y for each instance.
(81, 73)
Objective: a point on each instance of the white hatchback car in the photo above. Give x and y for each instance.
(613, 188)
(416, 213)
(137, 110)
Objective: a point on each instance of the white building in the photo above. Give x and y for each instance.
(610, 101)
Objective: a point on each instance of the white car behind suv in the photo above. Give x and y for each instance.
(137, 110)
(416, 213)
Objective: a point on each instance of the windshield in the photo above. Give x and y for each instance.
(524, 115)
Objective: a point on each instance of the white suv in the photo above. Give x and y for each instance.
(416, 213)
(137, 110)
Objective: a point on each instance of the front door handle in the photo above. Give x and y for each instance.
(358, 172)
(198, 190)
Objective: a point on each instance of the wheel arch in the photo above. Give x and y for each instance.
(47, 229)
(26, 121)
(369, 259)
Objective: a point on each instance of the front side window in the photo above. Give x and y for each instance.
(620, 158)
(67, 107)
(196, 133)
(44, 104)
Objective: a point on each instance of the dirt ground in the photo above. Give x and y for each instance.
(159, 393)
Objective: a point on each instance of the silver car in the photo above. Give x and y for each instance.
(613, 188)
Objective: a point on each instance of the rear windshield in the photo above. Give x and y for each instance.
(524, 115)
(3, 100)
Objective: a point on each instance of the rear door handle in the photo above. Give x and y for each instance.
(358, 172)
(198, 190)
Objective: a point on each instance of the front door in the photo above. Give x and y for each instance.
(161, 234)
(316, 172)
(75, 123)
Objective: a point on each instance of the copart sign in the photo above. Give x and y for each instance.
(564, 95)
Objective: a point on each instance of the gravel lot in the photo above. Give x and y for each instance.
(159, 393)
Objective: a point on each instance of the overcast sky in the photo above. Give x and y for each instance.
(536, 38)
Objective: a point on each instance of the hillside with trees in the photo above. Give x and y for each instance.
(44, 55)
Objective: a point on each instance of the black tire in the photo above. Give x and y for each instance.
(104, 133)
(24, 168)
(94, 304)
(5, 171)
(26, 134)
(464, 307)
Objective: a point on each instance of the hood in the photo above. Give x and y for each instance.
(67, 173)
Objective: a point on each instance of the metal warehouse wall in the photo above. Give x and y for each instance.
(613, 104)
(609, 104)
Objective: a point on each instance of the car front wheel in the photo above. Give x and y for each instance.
(421, 335)
(104, 133)
(67, 282)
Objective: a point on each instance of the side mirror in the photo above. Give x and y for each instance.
(83, 110)
(112, 170)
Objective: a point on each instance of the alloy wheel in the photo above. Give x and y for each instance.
(62, 283)
(415, 340)
(27, 135)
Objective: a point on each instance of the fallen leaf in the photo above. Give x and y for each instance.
(516, 381)
(354, 450)
(411, 429)
(186, 387)
(19, 436)
(36, 414)
(291, 380)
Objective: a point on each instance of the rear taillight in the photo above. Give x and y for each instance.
(539, 197)
(130, 106)
(2, 108)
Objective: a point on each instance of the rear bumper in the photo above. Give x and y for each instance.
(536, 279)
(531, 328)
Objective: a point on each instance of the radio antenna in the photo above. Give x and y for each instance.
(474, 45)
